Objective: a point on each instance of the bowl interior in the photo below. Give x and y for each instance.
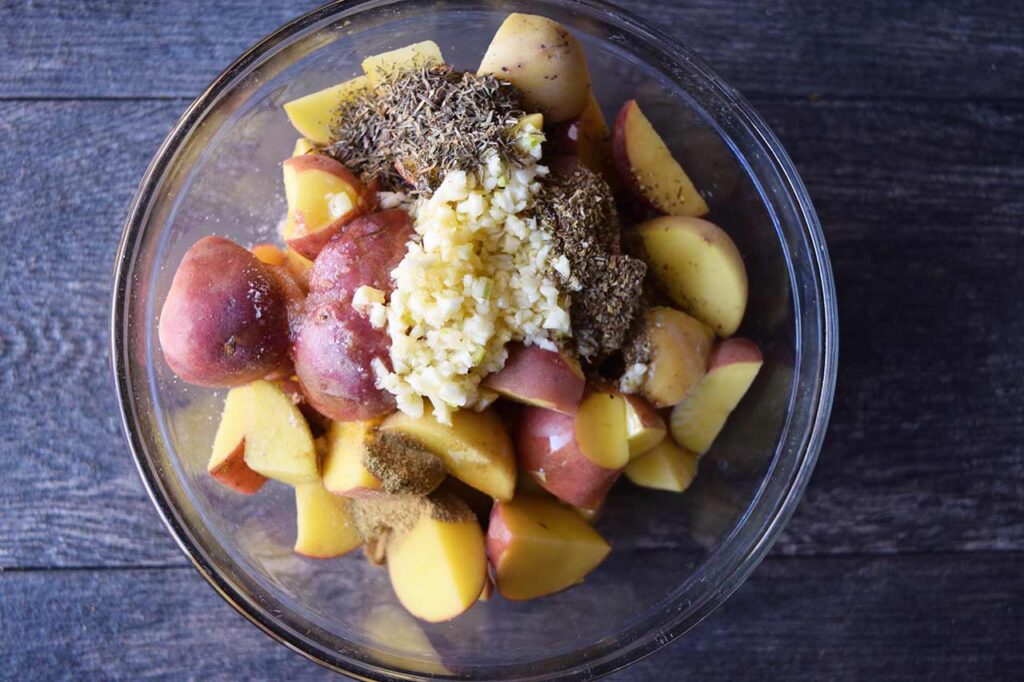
(673, 554)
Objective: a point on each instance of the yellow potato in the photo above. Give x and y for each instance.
(312, 115)
(476, 449)
(278, 443)
(538, 547)
(699, 267)
(324, 524)
(732, 368)
(666, 467)
(380, 66)
(438, 568)
(545, 61)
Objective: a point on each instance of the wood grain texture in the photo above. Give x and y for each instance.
(926, 246)
(893, 618)
(875, 48)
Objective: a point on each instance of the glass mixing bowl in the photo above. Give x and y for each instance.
(675, 556)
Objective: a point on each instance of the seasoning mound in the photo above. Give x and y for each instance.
(578, 209)
(402, 465)
(419, 125)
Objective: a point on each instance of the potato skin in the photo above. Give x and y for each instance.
(225, 320)
(545, 61)
(333, 354)
(364, 254)
(547, 451)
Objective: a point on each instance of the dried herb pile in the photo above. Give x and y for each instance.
(420, 124)
(578, 208)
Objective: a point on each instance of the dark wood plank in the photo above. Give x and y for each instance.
(920, 203)
(896, 618)
(69, 493)
(921, 206)
(875, 48)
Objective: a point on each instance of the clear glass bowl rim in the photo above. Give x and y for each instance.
(660, 626)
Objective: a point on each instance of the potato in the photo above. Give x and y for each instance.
(648, 168)
(225, 320)
(438, 569)
(679, 348)
(323, 197)
(534, 376)
(538, 547)
(333, 352)
(313, 114)
(586, 137)
(294, 295)
(577, 458)
(699, 267)
(544, 61)
(363, 255)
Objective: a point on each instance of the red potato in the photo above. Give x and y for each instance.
(647, 167)
(225, 320)
(538, 547)
(732, 368)
(679, 349)
(586, 137)
(363, 255)
(318, 424)
(577, 458)
(333, 354)
(294, 295)
(563, 139)
(227, 461)
(562, 164)
(323, 197)
(535, 376)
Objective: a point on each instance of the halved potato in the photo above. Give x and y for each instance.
(312, 115)
(699, 267)
(545, 61)
(648, 168)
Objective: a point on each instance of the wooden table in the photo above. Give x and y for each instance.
(905, 558)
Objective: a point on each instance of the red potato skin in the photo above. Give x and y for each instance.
(363, 255)
(620, 157)
(733, 350)
(563, 164)
(236, 474)
(294, 295)
(311, 243)
(333, 352)
(225, 320)
(334, 345)
(546, 441)
(498, 535)
(542, 371)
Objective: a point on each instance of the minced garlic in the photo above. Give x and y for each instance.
(478, 276)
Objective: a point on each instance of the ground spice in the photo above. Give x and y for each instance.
(379, 515)
(382, 518)
(402, 465)
(420, 124)
(578, 208)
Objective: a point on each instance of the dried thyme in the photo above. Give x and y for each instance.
(420, 124)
